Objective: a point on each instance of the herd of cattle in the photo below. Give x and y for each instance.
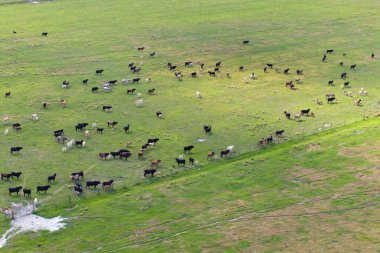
(60, 136)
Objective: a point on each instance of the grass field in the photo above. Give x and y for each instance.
(86, 35)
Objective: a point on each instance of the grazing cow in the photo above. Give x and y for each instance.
(286, 71)
(80, 126)
(149, 172)
(75, 177)
(106, 107)
(180, 161)
(346, 84)
(341, 64)
(131, 64)
(211, 155)
(155, 163)
(188, 64)
(34, 117)
(136, 80)
(270, 65)
(216, 69)
(43, 188)
(52, 178)
(241, 68)
(153, 140)
(85, 81)
(245, 41)
(92, 183)
(159, 114)
(211, 73)
(199, 94)
(188, 148)
(94, 89)
(58, 132)
(116, 153)
(125, 155)
(78, 188)
(279, 133)
(151, 91)
(373, 55)
(79, 174)
(324, 58)
(343, 75)
(173, 67)
(6, 176)
(99, 130)
(112, 82)
(140, 154)
(15, 125)
(140, 48)
(330, 99)
(136, 70)
(44, 105)
(16, 174)
(27, 192)
(194, 74)
(152, 54)
(207, 129)
(107, 184)
(287, 114)
(191, 160)
(15, 149)
(353, 66)
(218, 64)
(329, 51)
(299, 72)
(269, 139)
(99, 71)
(306, 111)
(80, 143)
(290, 83)
(330, 83)
(224, 152)
(202, 67)
(15, 189)
(103, 156)
(252, 76)
(8, 94)
(44, 34)
(139, 102)
(145, 146)
(112, 123)
(126, 128)
(357, 102)
(130, 91)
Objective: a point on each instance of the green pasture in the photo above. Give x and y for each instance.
(91, 34)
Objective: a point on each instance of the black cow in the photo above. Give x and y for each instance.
(149, 171)
(79, 143)
(191, 160)
(15, 189)
(131, 91)
(15, 125)
(194, 74)
(136, 80)
(43, 188)
(145, 146)
(346, 84)
(79, 174)
(92, 183)
(85, 81)
(140, 48)
(52, 178)
(180, 161)
(27, 192)
(126, 128)
(107, 107)
(341, 64)
(324, 58)
(99, 130)
(116, 153)
(330, 99)
(44, 34)
(211, 73)
(216, 69)
(188, 148)
(112, 123)
(353, 66)
(299, 72)
(279, 133)
(287, 114)
(131, 64)
(245, 41)
(269, 139)
(99, 71)
(44, 105)
(80, 126)
(152, 54)
(94, 89)
(286, 71)
(270, 65)
(132, 68)
(331, 82)
(125, 155)
(188, 64)
(218, 64)
(159, 114)
(343, 75)
(173, 67)
(112, 82)
(207, 129)
(224, 152)
(15, 149)
(306, 111)
(107, 183)
(329, 51)
(58, 132)
(16, 174)
(8, 94)
(241, 68)
(78, 188)
(153, 140)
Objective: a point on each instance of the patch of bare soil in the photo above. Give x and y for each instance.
(313, 147)
(367, 151)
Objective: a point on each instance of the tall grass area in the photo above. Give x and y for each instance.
(92, 34)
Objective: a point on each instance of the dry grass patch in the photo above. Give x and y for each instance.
(367, 151)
